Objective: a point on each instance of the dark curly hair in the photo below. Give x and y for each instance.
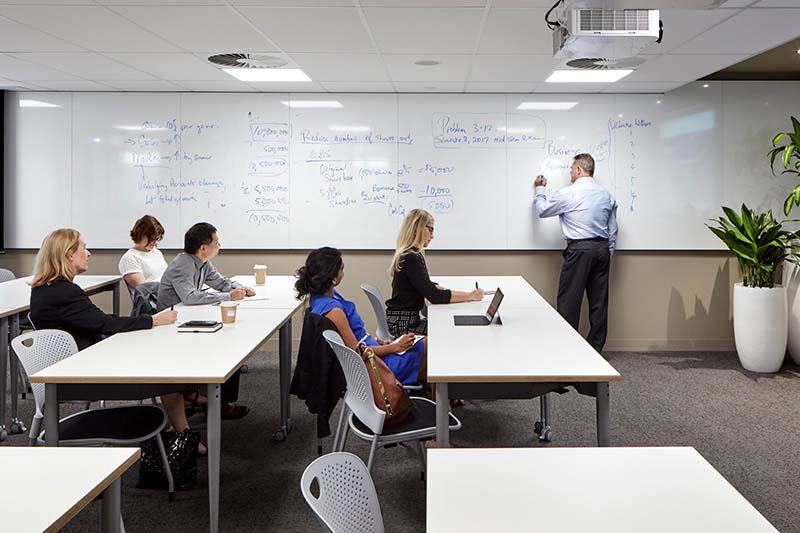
(317, 275)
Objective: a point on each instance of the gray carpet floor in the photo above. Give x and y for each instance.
(746, 425)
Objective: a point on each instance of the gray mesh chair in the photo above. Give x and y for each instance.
(364, 417)
(376, 299)
(382, 330)
(109, 426)
(347, 501)
(6, 275)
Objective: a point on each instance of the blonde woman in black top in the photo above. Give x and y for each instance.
(411, 284)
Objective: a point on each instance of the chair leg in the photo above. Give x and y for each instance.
(167, 469)
(372, 451)
(121, 524)
(36, 428)
(339, 427)
(345, 434)
(421, 452)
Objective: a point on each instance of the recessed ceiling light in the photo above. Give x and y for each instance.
(349, 129)
(267, 74)
(587, 76)
(97, 139)
(551, 106)
(705, 86)
(426, 62)
(332, 104)
(36, 103)
(798, 50)
(658, 101)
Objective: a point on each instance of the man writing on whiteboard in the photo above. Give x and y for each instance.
(588, 216)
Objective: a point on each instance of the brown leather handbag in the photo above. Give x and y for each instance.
(389, 394)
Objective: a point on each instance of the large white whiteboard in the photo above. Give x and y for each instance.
(270, 176)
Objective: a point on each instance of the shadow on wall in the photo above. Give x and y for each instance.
(705, 328)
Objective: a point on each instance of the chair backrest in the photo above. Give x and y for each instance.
(37, 350)
(6, 275)
(347, 500)
(358, 396)
(376, 299)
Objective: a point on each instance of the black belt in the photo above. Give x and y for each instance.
(593, 239)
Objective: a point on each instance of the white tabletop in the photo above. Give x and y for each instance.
(162, 355)
(277, 293)
(533, 344)
(54, 484)
(603, 490)
(516, 291)
(15, 295)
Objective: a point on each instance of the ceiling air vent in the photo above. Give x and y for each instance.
(601, 63)
(248, 61)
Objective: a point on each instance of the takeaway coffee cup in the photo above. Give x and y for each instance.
(261, 274)
(228, 312)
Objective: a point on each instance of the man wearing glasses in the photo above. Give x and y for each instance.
(588, 216)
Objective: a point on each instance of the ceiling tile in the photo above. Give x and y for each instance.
(425, 31)
(10, 85)
(500, 87)
(750, 32)
(451, 67)
(423, 3)
(144, 86)
(231, 85)
(429, 87)
(293, 3)
(312, 30)
(532, 68)
(161, 2)
(85, 65)
(201, 28)
(172, 66)
(547, 4)
(16, 69)
(356, 87)
(778, 3)
(50, 2)
(341, 66)
(643, 87)
(75, 85)
(290, 87)
(680, 25)
(516, 31)
(95, 28)
(674, 67)
(16, 37)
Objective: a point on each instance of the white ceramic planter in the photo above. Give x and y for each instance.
(760, 327)
(791, 280)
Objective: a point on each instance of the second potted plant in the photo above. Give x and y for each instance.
(759, 304)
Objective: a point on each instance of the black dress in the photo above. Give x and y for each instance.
(411, 286)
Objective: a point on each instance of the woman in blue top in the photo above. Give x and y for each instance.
(324, 270)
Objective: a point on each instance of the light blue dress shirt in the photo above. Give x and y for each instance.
(585, 209)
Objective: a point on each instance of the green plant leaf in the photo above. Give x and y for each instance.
(796, 126)
(778, 137)
(787, 154)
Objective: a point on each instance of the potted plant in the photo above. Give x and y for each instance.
(786, 151)
(760, 317)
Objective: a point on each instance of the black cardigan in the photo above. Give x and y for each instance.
(411, 285)
(63, 305)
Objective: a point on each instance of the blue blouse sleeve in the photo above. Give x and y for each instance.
(321, 305)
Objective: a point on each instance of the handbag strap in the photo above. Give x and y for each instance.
(367, 354)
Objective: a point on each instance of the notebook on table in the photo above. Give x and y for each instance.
(200, 326)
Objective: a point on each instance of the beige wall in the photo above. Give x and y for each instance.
(659, 300)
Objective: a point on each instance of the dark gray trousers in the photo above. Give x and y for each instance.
(585, 269)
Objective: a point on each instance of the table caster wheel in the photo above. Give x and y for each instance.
(3, 434)
(279, 436)
(537, 427)
(546, 436)
(15, 428)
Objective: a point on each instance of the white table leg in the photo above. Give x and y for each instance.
(442, 416)
(285, 379)
(112, 497)
(214, 420)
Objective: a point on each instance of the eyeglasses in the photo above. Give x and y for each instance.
(430, 228)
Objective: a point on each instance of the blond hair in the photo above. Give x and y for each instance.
(52, 261)
(410, 239)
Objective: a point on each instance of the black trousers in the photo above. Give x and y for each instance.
(585, 269)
